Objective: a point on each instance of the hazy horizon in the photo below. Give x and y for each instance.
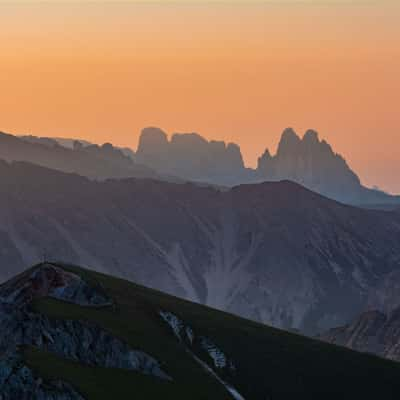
(240, 73)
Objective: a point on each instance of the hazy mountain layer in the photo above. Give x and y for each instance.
(73, 143)
(192, 157)
(96, 162)
(308, 161)
(273, 252)
(189, 157)
(71, 334)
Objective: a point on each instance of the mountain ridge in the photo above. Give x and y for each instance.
(190, 157)
(275, 252)
(138, 340)
(308, 161)
(95, 162)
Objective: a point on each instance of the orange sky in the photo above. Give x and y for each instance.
(241, 73)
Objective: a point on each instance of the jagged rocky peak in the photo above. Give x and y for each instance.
(150, 139)
(289, 142)
(191, 156)
(312, 163)
(265, 162)
(311, 137)
(50, 280)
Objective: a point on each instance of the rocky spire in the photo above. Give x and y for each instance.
(289, 141)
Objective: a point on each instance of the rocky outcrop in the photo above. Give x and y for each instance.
(70, 339)
(51, 281)
(18, 381)
(372, 332)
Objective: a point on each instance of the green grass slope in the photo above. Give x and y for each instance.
(270, 364)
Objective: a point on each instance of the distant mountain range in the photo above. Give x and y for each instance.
(72, 143)
(70, 334)
(273, 252)
(95, 162)
(308, 161)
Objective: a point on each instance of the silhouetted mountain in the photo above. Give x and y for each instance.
(70, 334)
(192, 157)
(98, 162)
(274, 252)
(313, 163)
(307, 161)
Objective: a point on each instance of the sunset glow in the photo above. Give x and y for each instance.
(241, 73)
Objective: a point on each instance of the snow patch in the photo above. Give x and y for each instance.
(214, 352)
(234, 393)
(174, 322)
(180, 329)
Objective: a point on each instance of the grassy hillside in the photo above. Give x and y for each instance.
(270, 364)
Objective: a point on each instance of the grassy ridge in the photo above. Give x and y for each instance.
(271, 364)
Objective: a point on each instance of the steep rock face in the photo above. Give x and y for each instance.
(70, 339)
(372, 332)
(273, 252)
(191, 157)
